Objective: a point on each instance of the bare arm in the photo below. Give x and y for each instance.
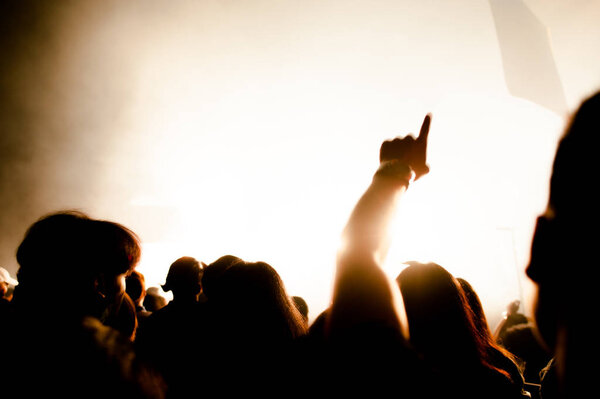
(362, 292)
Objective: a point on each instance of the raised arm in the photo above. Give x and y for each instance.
(362, 292)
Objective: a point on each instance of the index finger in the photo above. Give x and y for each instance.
(424, 133)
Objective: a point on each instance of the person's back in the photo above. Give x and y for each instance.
(522, 340)
(65, 349)
(443, 331)
(82, 359)
(511, 317)
(135, 287)
(372, 360)
(252, 330)
(170, 338)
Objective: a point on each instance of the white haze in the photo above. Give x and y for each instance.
(251, 128)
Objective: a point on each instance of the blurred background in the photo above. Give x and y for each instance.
(252, 127)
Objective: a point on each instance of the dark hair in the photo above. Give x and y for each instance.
(301, 305)
(214, 271)
(118, 248)
(135, 286)
(497, 355)
(441, 323)
(78, 252)
(255, 291)
(184, 274)
(54, 247)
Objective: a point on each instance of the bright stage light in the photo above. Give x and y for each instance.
(273, 183)
(252, 128)
(259, 145)
(475, 212)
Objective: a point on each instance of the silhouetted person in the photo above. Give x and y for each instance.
(154, 300)
(170, 339)
(510, 318)
(252, 329)
(366, 351)
(523, 341)
(564, 257)
(443, 331)
(211, 278)
(135, 286)
(252, 297)
(68, 347)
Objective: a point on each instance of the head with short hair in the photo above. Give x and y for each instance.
(184, 277)
(440, 321)
(86, 258)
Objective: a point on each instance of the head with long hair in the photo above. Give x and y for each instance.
(213, 272)
(440, 324)
(497, 355)
(477, 309)
(443, 327)
(253, 295)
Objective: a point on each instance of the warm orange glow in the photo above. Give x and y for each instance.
(252, 128)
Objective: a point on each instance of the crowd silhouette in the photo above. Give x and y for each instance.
(81, 322)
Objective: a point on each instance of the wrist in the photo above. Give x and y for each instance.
(397, 171)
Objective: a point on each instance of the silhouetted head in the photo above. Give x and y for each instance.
(563, 261)
(184, 278)
(214, 271)
(513, 307)
(87, 258)
(118, 248)
(439, 320)
(254, 297)
(135, 286)
(154, 300)
(57, 245)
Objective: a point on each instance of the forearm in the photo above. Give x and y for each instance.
(362, 292)
(366, 235)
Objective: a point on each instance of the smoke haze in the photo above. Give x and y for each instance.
(251, 128)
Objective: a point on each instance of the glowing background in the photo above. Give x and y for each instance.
(252, 127)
